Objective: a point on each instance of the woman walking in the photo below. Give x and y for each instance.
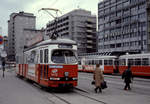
(98, 77)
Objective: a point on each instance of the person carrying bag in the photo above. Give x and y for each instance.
(98, 78)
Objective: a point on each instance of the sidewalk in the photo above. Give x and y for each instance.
(16, 91)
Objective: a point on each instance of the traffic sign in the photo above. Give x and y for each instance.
(3, 54)
(1, 39)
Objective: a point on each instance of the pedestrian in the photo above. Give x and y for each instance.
(3, 66)
(127, 76)
(98, 77)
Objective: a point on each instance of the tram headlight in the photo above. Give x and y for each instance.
(55, 79)
(66, 74)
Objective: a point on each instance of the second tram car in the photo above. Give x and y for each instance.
(107, 64)
(51, 63)
(140, 63)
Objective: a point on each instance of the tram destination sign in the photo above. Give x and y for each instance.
(65, 46)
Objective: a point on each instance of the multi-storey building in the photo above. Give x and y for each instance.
(78, 25)
(16, 25)
(33, 36)
(124, 26)
(5, 44)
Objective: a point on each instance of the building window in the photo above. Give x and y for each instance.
(113, 1)
(142, 6)
(113, 8)
(126, 3)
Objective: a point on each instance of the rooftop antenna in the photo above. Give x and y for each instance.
(54, 35)
(78, 5)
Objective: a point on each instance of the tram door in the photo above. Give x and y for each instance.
(44, 67)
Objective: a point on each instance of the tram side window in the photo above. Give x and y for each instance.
(110, 62)
(79, 62)
(46, 56)
(96, 62)
(87, 62)
(41, 56)
(131, 61)
(105, 62)
(31, 58)
(122, 62)
(25, 59)
(90, 62)
(145, 61)
(100, 62)
(138, 62)
(116, 62)
(93, 62)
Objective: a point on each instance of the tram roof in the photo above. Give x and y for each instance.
(57, 41)
(50, 41)
(131, 56)
(100, 57)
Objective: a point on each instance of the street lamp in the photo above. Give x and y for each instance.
(141, 31)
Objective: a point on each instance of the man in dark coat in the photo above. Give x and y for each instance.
(3, 66)
(127, 76)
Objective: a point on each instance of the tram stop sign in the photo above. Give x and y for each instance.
(1, 40)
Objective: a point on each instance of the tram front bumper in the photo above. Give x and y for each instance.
(63, 83)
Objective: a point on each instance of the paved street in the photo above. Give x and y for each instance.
(14, 90)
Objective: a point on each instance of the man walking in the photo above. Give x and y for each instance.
(3, 66)
(127, 75)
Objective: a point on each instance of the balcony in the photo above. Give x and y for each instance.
(89, 25)
(89, 36)
(89, 41)
(89, 46)
(89, 31)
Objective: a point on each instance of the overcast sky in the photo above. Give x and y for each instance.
(32, 6)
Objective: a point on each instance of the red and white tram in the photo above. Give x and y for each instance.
(107, 63)
(51, 63)
(140, 63)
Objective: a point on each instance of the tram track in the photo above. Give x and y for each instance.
(77, 92)
(58, 97)
(91, 98)
(49, 94)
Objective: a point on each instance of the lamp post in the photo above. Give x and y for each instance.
(141, 31)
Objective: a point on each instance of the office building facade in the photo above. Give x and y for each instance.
(124, 26)
(78, 25)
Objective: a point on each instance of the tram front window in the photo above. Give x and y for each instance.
(63, 56)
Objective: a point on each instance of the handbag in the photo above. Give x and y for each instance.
(104, 85)
(93, 82)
